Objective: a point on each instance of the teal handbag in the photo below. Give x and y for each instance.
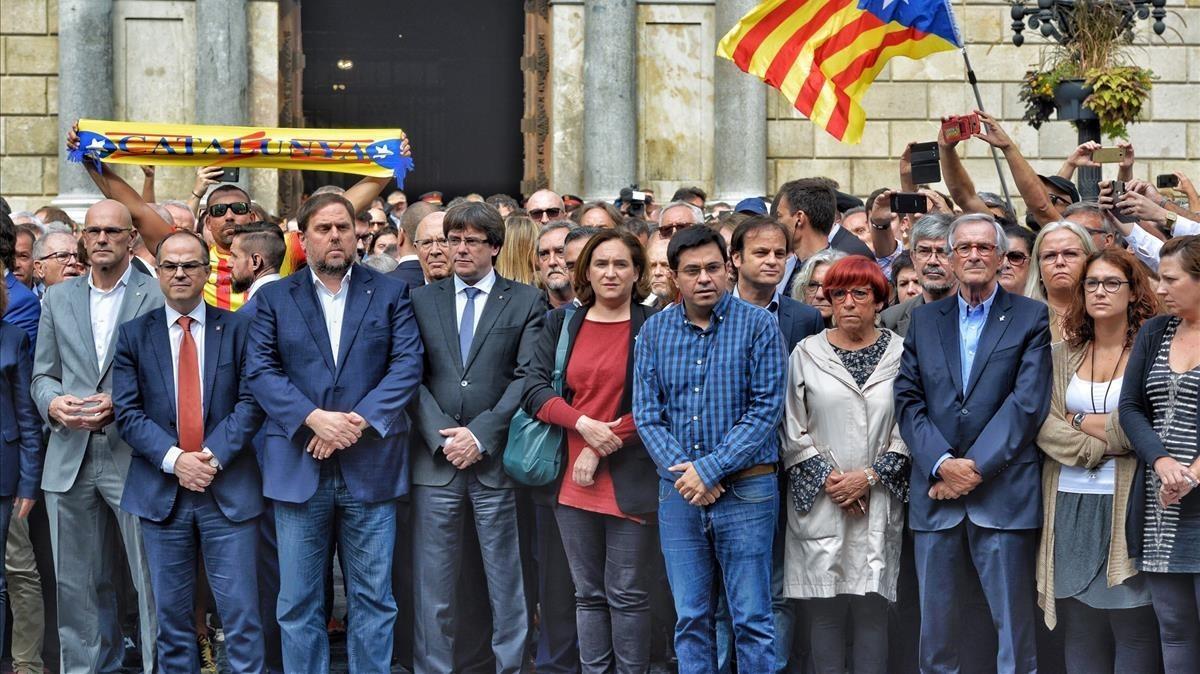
(533, 455)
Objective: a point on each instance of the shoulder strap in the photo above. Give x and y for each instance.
(560, 354)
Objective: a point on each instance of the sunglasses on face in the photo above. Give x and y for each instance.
(238, 208)
(1016, 258)
(537, 213)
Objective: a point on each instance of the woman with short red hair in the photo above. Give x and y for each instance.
(848, 473)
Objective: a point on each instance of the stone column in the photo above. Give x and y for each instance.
(739, 120)
(222, 63)
(609, 97)
(85, 86)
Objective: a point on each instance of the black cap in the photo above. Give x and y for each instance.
(847, 201)
(1063, 185)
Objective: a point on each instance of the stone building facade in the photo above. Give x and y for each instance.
(617, 91)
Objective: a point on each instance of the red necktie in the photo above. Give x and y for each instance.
(191, 417)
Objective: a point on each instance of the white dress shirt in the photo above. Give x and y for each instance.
(333, 306)
(175, 337)
(259, 283)
(105, 306)
(485, 286)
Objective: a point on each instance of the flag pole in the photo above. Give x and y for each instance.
(979, 102)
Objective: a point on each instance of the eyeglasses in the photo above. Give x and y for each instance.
(984, 249)
(373, 222)
(1110, 285)
(840, 294)
(552, 213)
(1016, 258)
(170, 268)
(1055, 199)
(238, 208)
(812, 287)
(61, 258)
(1069, 255)
(426, 244)
(693, 271)
(111, 232)
(925, 252)
(667, 231)
(471, 241)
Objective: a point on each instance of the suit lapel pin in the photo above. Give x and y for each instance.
(500, 297)
(368, 292)
(1001, 316)
(218, 328)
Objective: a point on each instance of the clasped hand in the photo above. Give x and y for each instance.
(599, 435)
(691, 487)
(460, 447)
(195, 470)
(847, 489)
(959, 478)
(92, 413)
(333, 431)
(1177, 480)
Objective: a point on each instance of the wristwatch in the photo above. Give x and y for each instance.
(1171, 217)
(879, 226)
(871, 479)
(1077, 421)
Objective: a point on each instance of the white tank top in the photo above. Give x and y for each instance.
(1088, 397)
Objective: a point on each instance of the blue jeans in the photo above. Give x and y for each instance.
(365, 533)
(785, 618)
(198, 527)
(727, 544)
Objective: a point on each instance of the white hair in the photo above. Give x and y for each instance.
(970, 218)
(697, 214)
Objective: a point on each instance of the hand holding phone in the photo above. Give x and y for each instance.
(909, 202)
(1109, 155)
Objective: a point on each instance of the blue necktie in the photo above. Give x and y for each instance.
(466, 328)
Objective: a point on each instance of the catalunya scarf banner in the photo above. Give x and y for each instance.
(369, 152)
(824, 54)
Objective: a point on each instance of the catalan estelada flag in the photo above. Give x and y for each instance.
(823, 54)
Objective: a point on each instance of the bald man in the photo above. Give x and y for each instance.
(432, 250)
(86, 460)
(544, 206)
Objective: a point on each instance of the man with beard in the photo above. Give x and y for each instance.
(930, 256)
(551, 263)
(335, 357)
(255, 255)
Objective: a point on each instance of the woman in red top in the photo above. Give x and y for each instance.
(608, 486)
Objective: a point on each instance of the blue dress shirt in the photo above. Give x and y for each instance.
(712, 396)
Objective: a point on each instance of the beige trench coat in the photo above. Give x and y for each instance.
(828, 553)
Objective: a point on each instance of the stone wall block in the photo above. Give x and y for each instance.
(895, 100)
(790, 138)
(21, 175)
(24, 17)
(22, 95)
(29, 55)
(31, 135)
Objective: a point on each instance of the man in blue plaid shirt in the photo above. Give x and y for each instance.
(708, 400)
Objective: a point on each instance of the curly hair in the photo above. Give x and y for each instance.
(1143, 303)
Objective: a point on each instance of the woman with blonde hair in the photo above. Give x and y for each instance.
(1084, 571)
(1059, 254)
(517, 258)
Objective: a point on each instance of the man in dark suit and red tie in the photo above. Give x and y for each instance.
(182, 404)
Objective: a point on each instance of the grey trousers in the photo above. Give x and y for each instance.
(438, 514)
(25, 597)
(78, 529)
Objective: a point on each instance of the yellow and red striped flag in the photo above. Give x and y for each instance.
(823, 54)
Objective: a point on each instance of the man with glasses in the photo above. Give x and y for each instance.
(931, 258)
(544, 206)
(432, 250)
(194, 483)
(86, 459)
(707, 402)
(971, 394)
(408, 254)
(479, 331)
(677, 216)
(1089, 216)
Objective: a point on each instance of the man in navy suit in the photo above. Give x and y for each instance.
(335, 357)
(972, 392)
(759, 249)
(192, 480)
(24, 310)
(256, 254)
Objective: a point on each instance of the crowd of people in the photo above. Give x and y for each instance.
(799, 433)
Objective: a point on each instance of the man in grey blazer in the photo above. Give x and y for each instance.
(931, 259)
(86, 461)
(479, 331)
